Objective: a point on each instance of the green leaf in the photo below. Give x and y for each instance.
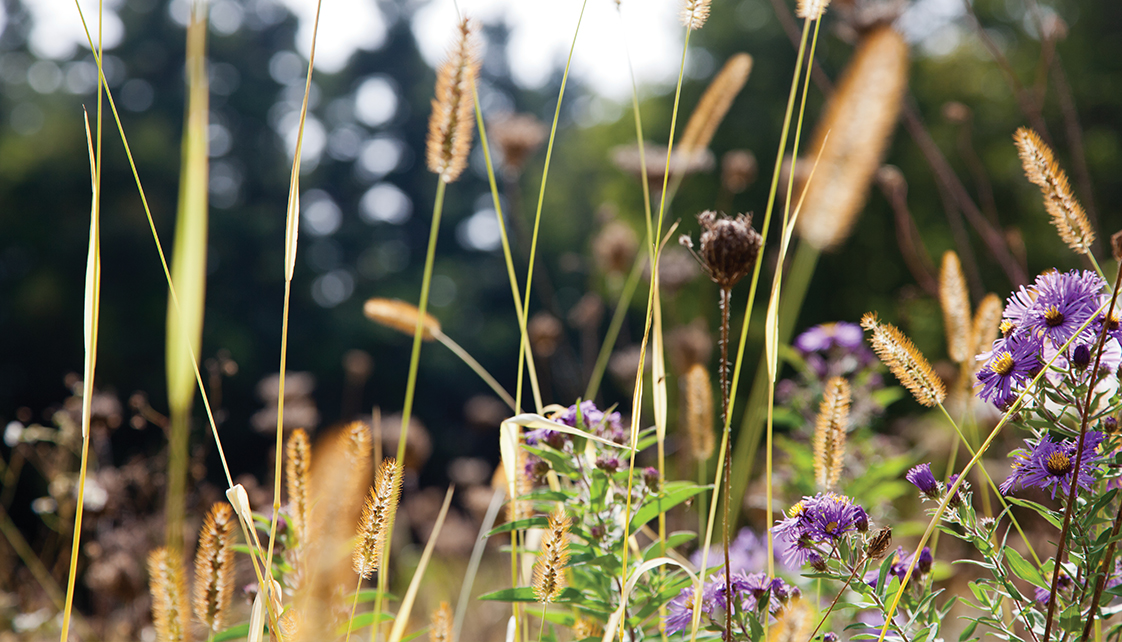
(673, 494)
(232, 633)
(363, 620)
(672, 540)
(539, 521)
(1024, 569)
(526, 594)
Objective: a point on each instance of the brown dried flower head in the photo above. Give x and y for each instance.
(695, 13)
(905, 361)
(169, 596)
(1059, 199)
(517, 136)
(377, 518)
(214, 567)
(400, 316)
(879, 543)
(441, 624)
(297, 468)
(738, 170)
(955, 301)
(812, 9)
(830, 433)
(452, 120)
(729, 246)
(549, 570)
(614, 248)
(697, 406)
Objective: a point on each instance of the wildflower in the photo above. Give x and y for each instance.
(822, 519)
(608, 464)
(589, 418)
(901, 560)
(832, 517)
(921, 478)
(1064, 302)
(747, 553)
(825, 336)
(1050, 465)
(679, 611)
(956, 499)
(651, 478)
(1012, 362)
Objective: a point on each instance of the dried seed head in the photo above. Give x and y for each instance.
(729, 246)
(738, 170)
(987, 323)
(544, 331)
(689, 344)
(549, 570)
(830, 432)
(517, 508)
(905, 361)
(614, 248)
(695, 13)
(1059, 199)
(169, 596)
(714, 104)
(879, 543)
(1116, 246)
(853, 135)
(812, 9)
(586, 628)
(697, 407)
(452, 121)
(517, 136)
(298, 463)
(400, 316)
(441, 621)
(214, 567)
(955, 301)
(794, 623)
(377, 518)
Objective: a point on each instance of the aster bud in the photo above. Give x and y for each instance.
(607, 464)
(830, 637)
(860, 519)
(818, 564)
(925, 561)
(651, 478)
(729, 247)
(1081, 357)
(1110, 424)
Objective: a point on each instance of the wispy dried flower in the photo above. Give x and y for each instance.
(830, 432)
(729, 246)
(169, 596)
(812, 9)
(715, 103)
(400, 316)
(377, 517)
(627, 159)
(697, 405)
(452, 121)
(214, 567)
(517, 136)
(738, 170)
(441, 621)
(297, 467)
(1059, 199)
(695, 13)
(955, 301)
(987, 323)
(549, 570)
(879, 543)
(545, 332)
(905, 361)
(853, 135)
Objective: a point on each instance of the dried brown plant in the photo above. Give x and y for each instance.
(830, 433)
(549, 570)
(905, 361)
(377, 518)
(955, 301)
(401, 316)
(517, 136)
(695, 13)
(168, 586)
(1042, 169)
(214, 567)
(452, 121)
(697, 409)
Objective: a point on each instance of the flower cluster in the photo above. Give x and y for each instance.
(1050, 465)
(750, 593)
(813, 527)
(901, 560)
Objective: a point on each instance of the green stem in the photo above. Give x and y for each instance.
(625, 296)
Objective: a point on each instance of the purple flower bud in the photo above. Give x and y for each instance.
(607, 464)
(650, 478)
(921, 478)
(1081, 357)
(923, 564)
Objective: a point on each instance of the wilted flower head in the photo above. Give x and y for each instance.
(729, 246)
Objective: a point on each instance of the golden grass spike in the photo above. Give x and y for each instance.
(377, 516)
(169, 596)
(714, 104)
(955, 301)
(852, 136)
(441, 624)
(987, 323)
(698, 409)
(830, 432)
(451, 123)
(794, 623)
(812, 9)
(297, 470)
(1059, 199)
(214, 567)
(905, 361)
(400, 316)
(587, 628)
(549, 571)
(695, 13)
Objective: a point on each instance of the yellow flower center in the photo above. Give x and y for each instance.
(1053, 317)
(1002, 364)
(1058, 464)
(831, 528)
(1006, 327)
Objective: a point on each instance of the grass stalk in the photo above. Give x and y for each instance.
(402, 618)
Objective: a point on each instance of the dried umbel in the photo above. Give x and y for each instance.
(400, 316)
(715, 103)
(614, 248)
(729, 246)
(549, 570)
(169, 596)
(830, 432)
(695, 13)
(441, 624)
(1059, 199)
(905, 361)
(452, 120)
(853, 135)
(955, 301)
(879, 543)
(297, 467)
(377, 518)
(517, 136)
(811, 9)
(697, 406)
(214, 567)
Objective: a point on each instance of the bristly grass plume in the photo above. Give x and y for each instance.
(214, 567)
(830, 432)
(811, 9)
(987, 323)
(697, 410)
(401, 316)
(451, 123)
(440, 629)
(905, 361)
(549, 571)
(955, 301)
(169, 596)
(377, 516)
(715, 104)
(297, 467)
(695, 13)
(1042, 169)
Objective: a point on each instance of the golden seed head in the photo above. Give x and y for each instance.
(695, 13)
(586, 628)
(794, 623)
(298, 463)
(987, 322)
(452, 120)
(714, 104)
(441, 624)
(377, 518)
(400, 316)
(830, 433)
(214, 567)
(697, 407)
(955, 301)
(549, 570)
(1059, 200)
(905, 361)
(168, 586)
(812, 9)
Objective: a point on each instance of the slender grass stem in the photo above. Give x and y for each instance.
(354, 606)
(616, 324)
(477, 368)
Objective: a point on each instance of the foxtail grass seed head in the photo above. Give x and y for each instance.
(905, 361)
(955, 301)
(794, 624)
(729, 246)
(879, 543)
(441, 624)
(401, 316)
(987, 323)
(1059, 199)
(812, 9)
(695, 13)
(698, 410)
(169, 596)
(853, 135)
(377, 518)
(549, 571)
(297, 468)
(739, 169)
(715, 103)
(830, 432)
(214, 567)
(452, 122)
(586, 628)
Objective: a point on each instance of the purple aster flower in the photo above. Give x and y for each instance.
(714, 592)
(1064, 302)
(1050, 465)
(957, 498)
(552, 438)
(591, 419)
(921, 478)
(1016, 306)
(1113, 321)
(832, 516)
(679, 611)
(901, 560)
(828, 335)
(1012, 364)
(758, 585)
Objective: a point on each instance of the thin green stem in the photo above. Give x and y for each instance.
(477, 368)
(616, 324)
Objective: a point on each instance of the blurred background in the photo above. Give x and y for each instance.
(979, 71)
